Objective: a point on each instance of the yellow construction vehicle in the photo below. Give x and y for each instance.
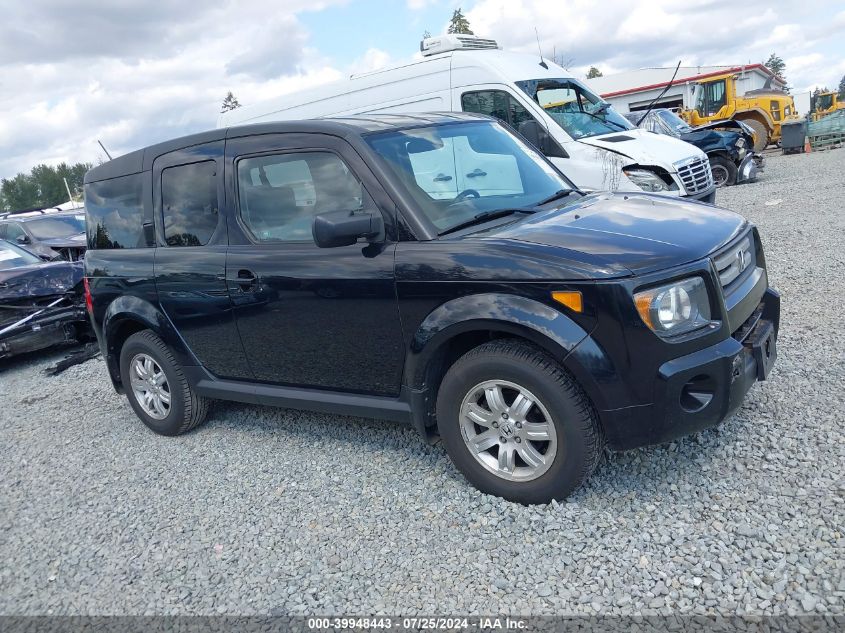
(824, 103)
(764, 110)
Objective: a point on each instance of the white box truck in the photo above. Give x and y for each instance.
(596, 147)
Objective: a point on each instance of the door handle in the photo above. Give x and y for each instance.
(475, 173)
(246, 280)
(442, 178)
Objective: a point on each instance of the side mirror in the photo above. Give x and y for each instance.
(539, 137)
(344, 228)
(22, 239)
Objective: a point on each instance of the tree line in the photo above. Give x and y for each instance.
(43, 186)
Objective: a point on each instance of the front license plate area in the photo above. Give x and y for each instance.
(764, 348)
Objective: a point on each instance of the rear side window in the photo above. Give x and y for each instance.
(115, 213)
(189, 203)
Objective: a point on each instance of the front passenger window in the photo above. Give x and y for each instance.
(279, 195)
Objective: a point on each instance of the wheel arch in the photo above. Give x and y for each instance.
(462, 324)
(127, 315)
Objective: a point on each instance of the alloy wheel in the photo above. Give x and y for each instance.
(508, 430)
(150, 386)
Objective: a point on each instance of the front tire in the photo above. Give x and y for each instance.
(724, 171)
(156, 387)
(516, 424)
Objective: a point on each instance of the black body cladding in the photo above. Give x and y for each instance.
(369, 328)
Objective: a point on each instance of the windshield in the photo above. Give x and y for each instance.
(675, 123)
(456, 171)
(64, 226)
(825, 101)
(574, 108)
(12, 257)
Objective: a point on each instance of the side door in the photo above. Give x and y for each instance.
(309, 316)
(190, 261)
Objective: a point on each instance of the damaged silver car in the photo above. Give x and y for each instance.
(42, 304)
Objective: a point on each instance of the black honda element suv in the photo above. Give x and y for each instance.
(431, 269)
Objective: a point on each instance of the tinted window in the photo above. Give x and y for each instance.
(280, 194)
(115, 213)
(189, 203)
(497, 103)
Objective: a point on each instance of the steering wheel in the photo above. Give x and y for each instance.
(466, 193)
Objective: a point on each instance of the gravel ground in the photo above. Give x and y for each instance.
(246, 516)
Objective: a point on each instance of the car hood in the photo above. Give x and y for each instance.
(39, 280)
(70, 241)
(711, 139)
(632, 232)
(643, 147)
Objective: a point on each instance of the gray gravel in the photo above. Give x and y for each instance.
(245, 515)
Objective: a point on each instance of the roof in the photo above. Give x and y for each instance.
(508, 64)
(25, 215)
(142, 159)
(645, 79)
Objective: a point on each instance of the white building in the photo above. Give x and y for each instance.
(634, 90)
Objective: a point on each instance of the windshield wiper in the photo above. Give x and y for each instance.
(557, 195)
(484, 216)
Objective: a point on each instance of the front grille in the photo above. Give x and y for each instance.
(71, 254)
(695, 174)
(735, 262)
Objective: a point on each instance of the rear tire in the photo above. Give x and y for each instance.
(761, 134)
(724, 171)
(157, 388)
(533, 432)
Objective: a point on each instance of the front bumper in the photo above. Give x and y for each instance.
(708, 196)
(700, 390)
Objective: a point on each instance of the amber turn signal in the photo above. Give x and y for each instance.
(570, 298)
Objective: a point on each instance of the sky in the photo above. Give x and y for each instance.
(132, 73)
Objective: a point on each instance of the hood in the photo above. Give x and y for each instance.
(39, 280)
(708, 140)
(70, 241)
(640, 232)
(643, 147)
(719, 125)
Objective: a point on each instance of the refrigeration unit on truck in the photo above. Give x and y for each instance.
(582, 134)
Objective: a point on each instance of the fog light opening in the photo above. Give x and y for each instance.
(697, 393)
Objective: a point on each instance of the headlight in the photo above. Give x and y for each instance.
(646, 180)
(675, 308)
(741, 148)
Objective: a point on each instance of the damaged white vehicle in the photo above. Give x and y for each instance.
(596, 147)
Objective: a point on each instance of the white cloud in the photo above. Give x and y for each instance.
(132, 77)
(618, 35)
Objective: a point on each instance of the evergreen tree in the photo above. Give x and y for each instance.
(594, 72)
(459, 24)
(776, 65)
(230, 102)
(842, 87)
